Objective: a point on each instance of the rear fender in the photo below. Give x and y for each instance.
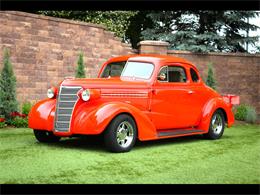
(210, 108)
(96, 121)
(41, 116)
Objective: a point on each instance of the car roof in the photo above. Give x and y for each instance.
(151, 58)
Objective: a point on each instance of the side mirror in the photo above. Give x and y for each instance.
(162, 77)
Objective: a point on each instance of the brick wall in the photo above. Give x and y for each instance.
(45, 49)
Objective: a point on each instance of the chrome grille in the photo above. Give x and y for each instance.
(65, 104)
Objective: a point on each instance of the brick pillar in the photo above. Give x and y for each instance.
(153, 47)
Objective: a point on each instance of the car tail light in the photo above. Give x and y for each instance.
(231, 99)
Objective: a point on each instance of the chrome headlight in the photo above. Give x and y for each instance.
(85, 95)
(50, 93)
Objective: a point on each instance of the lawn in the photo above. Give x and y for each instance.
(233, 159)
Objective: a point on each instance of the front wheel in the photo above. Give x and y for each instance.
(120, 135)
(217, 125)
(45, 136)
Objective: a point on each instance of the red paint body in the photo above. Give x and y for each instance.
(155, 106)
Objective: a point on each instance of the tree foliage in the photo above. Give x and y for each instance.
(137, 23)
(202, 31)
(210, 81)
(80, 71)
(8, 102)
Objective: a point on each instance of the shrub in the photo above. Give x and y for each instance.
(246, 113)
(19, 122)
(2, 125)
(240, 113)
(251, 115)
(210, 78)
(26, 108)
(80, 72)
(8, 102)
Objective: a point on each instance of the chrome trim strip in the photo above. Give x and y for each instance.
(125, 94)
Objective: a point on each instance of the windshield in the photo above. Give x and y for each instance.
(113, 69)
(139, 70)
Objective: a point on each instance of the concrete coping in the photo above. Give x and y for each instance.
(214, 53)
(153, 43)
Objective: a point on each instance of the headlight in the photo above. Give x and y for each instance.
(85, 95)
(51, 93)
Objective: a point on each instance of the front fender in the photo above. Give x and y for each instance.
(96, 121)
(208, 110)
(42, 114)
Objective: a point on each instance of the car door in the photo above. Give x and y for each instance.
(199, 96)
(172, 98)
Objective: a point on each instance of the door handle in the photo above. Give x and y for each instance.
(190, 92)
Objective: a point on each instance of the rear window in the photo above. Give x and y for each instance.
(113, 69)
(194, 75)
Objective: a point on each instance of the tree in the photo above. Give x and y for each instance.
(137, 23)
(202, 31)
(234, 23)
(8, 102)
(210, 78)
(80, 71)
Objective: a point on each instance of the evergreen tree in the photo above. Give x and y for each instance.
(80, 72)
(8, 102)
(202, 31)
(210, 78)
(233, 23)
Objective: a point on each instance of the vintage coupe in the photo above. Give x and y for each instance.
(143, 97)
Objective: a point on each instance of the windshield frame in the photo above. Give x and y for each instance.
(139, 78)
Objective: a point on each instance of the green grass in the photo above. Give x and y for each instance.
(235, 158)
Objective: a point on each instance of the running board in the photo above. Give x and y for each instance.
(178, 132)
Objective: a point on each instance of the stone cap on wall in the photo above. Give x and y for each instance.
(214, 53)
(153, 47)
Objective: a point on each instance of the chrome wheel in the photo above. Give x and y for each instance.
(125, 134)
(217, 124)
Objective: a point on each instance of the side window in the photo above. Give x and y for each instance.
(194, 75)
(177, 74)
(113, 69)
(172, 74)
(163, 74)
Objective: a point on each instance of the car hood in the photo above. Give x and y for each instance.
(99, 83)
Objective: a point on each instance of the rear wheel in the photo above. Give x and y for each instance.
(217, 125)
(46, 136)
(120, 135)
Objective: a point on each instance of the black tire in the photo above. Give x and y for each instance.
(46, 136)
(213, 132)
(122, 125)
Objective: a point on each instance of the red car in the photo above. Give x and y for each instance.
(145, 97)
